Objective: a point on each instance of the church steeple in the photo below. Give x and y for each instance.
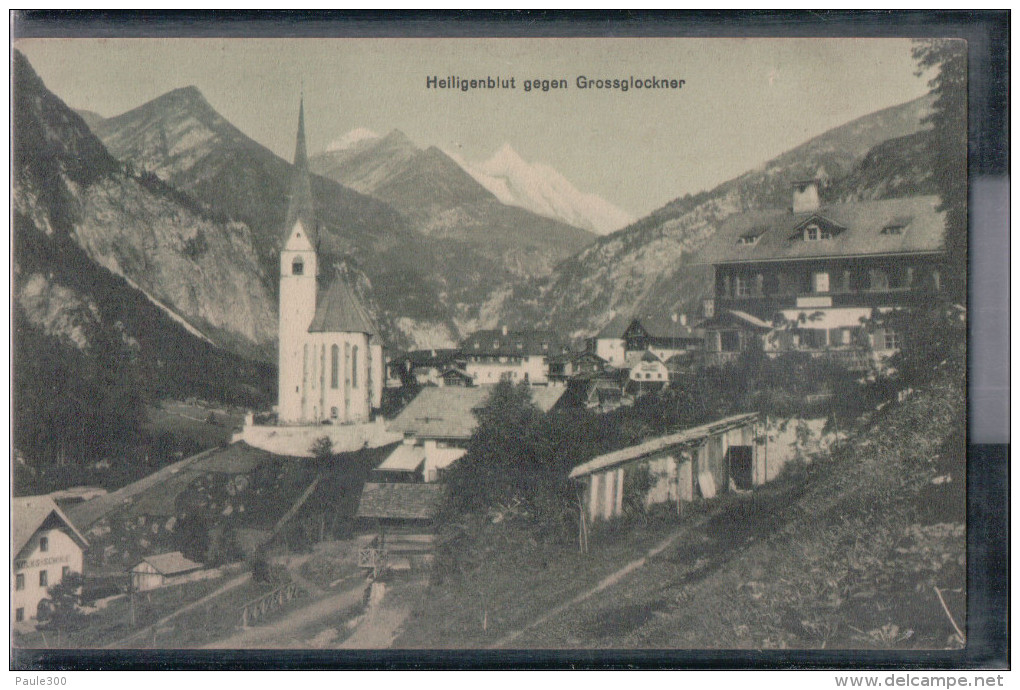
(301, 206)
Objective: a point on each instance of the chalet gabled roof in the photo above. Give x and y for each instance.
(920, 230)
(338, 310)
(512, 343)
(29, 514)
(172, 563)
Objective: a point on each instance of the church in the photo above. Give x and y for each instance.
(331, 361)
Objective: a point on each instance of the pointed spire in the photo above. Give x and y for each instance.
(301, 207)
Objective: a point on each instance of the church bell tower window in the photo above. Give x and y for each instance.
(298, 267)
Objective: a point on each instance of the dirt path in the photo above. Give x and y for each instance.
(291, 630)
(605, 583)
(144, 632)
(378, 630)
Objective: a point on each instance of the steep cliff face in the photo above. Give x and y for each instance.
(653, 264)
(186, 260)
(180, 138)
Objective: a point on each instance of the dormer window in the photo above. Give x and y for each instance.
(298, 267)
(893, 229)
(750, 238)
(495, 345)
(813, 232)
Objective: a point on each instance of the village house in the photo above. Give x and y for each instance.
(700, 462)
(564, 367)
(437, 426)
(47, 547)
(503, 355)
(646, 373)
(817, 273)
(422, 367)
(663, 335)
(164, 570)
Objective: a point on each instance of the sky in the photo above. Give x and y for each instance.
(743, 101)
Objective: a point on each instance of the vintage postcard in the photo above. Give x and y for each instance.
(489, 343)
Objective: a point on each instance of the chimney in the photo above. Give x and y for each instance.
(683, 319)
(805, 196)
(504, 329)
(674, 317)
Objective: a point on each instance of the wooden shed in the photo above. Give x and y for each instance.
(701, 461)
(153, 572)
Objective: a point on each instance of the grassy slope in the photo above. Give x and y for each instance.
(845, 554)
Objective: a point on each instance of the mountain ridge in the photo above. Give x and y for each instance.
(652, 264)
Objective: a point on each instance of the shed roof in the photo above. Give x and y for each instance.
(172, 563)
(400, 501)
(448, 411)
(404, 458)
(31, 513)
(734, 317)
(860, 233)
(641, 450)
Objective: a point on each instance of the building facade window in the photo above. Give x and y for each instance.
(820, 282)
(44, 578)
(334, 412)
(19, 615)
(334, 366)
(64, 572)
(19, 581)
(298, 267)
(741, 286)
(354, 367)
(44, 544)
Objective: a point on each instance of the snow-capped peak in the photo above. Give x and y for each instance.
(541, 189)
(352, 139)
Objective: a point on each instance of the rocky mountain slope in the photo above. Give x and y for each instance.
(653, 264)
(119, 293)
(403, 223)
(462, 219)
(543, 190)
(198, 268)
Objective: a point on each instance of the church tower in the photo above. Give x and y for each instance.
(331, 361)
(298, 282)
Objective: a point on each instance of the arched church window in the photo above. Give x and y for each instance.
(354, 367)
(334, 373)
(298, 267)
(347, 364)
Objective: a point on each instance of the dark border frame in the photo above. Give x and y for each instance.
(987, 33)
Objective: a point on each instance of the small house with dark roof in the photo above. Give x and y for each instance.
(47, 546)
(495, 355)
(664, 334)
(819, 271)
(331, 367)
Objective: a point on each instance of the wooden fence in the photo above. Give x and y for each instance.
(257, 609)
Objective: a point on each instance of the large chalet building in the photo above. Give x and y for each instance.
(808, 278)
(494, 355)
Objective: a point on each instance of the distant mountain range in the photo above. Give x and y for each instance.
(363, 160)
(187, 210)
(541, 189)
(653, 266)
